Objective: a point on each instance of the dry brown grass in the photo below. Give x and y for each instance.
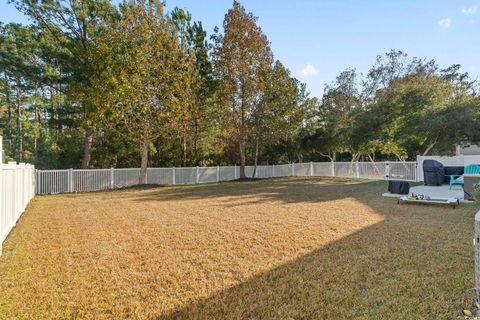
(276, 249)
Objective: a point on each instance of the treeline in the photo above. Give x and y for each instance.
(90, 84)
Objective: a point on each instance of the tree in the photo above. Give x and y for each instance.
(341, 104)
(70, 24)
(279, 115)
(37, 121)
(143, 75)
(243, 61)
(418, 108)
(198, 125)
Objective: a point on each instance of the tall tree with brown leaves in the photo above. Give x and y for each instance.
(243, 60)
(143, 75)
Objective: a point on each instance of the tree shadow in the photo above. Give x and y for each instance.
(283, 190)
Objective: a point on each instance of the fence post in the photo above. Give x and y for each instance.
(311, 169)
(1, 193)
(37, 182)
(14, 187)
(146, 175)
(419, 171)
(293, 169)
(235, 171)
(34, 181)
(218, 174)
(21, 168)
(476, 244)
(173, 175)
(112, 177)
(416, 172)
(333, 169)
(70, 180)
(387, 170)
(197, 180)
(357, 167)
(273, 171)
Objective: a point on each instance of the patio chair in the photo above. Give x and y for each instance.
(457, 179)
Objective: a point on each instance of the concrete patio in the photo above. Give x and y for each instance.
(442, 191)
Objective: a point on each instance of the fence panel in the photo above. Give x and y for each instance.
(160, 176)
(8, 203)
(345, 170)
(264, 172)
(227, 173)
(123, 178)
(371, 170)
(57, 181)
(207, 174)
(323, 169)
(90, 180)
(445, 160)
(249, 171)
(17, 188)
(185, 175)
(302, 169)
(406, 171)
(52, 181)
(282, 170)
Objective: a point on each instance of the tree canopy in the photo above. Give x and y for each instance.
(93, 84)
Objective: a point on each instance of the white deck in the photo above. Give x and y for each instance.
(442, 191)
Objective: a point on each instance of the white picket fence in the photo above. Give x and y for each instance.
(17, 188)
(82, 180)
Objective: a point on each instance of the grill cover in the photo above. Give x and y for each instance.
(433, 173)
(398, 187)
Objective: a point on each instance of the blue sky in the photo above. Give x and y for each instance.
(322, 38)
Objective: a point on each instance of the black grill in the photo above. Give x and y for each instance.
(433, 173)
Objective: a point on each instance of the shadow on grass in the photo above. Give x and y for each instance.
(291, 190)
(416, 263)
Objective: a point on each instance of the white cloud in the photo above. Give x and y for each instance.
(470, 10)
(445, 23)
(308, 71)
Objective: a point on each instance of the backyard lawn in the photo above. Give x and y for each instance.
(294, 248)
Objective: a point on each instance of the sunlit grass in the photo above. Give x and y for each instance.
(276, 249)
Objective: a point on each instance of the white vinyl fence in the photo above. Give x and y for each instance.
(455, 161)
(59, 181)
(17, 188)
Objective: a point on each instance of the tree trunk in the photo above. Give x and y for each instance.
(195, 141)
(429, 148)
(87, 147)
(242, 132)
(242, 159)
(19, 123)
(184, 150)
(331, 155)
(256, 159)
(35, 141)
(142, 179)
(399, 157)
(8, 131)
(356, 156)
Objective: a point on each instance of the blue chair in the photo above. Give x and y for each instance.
(470, 169)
